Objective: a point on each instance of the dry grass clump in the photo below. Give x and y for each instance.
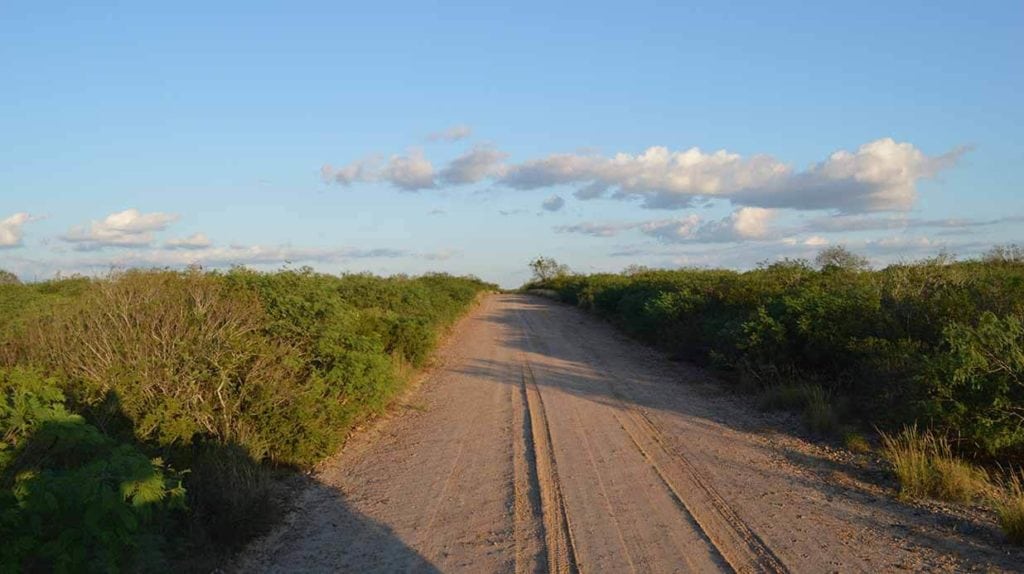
(1009, 507)
(926, 468)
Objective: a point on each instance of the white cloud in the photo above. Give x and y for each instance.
(195, 241)
(11, 232)
(480, 163)
(673, 230)
(746, 223)
(880, 175)
(364, 170)
(128, 228)
(553, 203)
(408, 172)
(452, 134)
(743, 224)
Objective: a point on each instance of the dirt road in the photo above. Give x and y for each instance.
(544, 441)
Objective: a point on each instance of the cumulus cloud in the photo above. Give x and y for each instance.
(673, 230)
(409, 172)
(128, 228)
(744, 224)
(11, 232)
(879, 176)
(553, 203)
(480, 163)
(364, 170)
(452, 134)
(195, 241)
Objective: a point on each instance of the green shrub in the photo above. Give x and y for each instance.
(72, 498)
(979, 386)
(220, 374)
(938, 342)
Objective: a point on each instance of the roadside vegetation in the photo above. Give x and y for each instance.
(145, 417)
(936, 345)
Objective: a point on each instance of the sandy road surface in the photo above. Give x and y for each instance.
(544, 441)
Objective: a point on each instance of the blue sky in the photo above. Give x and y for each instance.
(412, 137)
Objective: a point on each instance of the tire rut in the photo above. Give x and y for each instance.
(736, 545)
(558, 545)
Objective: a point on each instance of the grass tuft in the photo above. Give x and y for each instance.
(1009, 506)
(926, 468)
(855, 442)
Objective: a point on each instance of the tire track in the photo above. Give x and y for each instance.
(740, 546)
(560, 550)
(736, 544)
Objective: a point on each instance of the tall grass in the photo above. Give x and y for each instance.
(1010, 507)
(926, 467)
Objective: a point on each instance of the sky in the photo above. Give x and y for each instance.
(414, 137)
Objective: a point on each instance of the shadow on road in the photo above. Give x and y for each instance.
(326, 534)
(607, 367)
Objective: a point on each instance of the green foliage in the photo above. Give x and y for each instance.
(72, 498)
(981, 389)
(220, 374)
(547, 269)
(8, 278)
(937, 342)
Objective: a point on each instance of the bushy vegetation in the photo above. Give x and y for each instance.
(938, 342)
(143, 414)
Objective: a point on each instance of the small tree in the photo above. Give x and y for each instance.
(839, 257)
(8, 278)
(1009, 253)
(546, 268)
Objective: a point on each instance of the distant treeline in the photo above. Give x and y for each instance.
(143, 415)
(936, 342)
